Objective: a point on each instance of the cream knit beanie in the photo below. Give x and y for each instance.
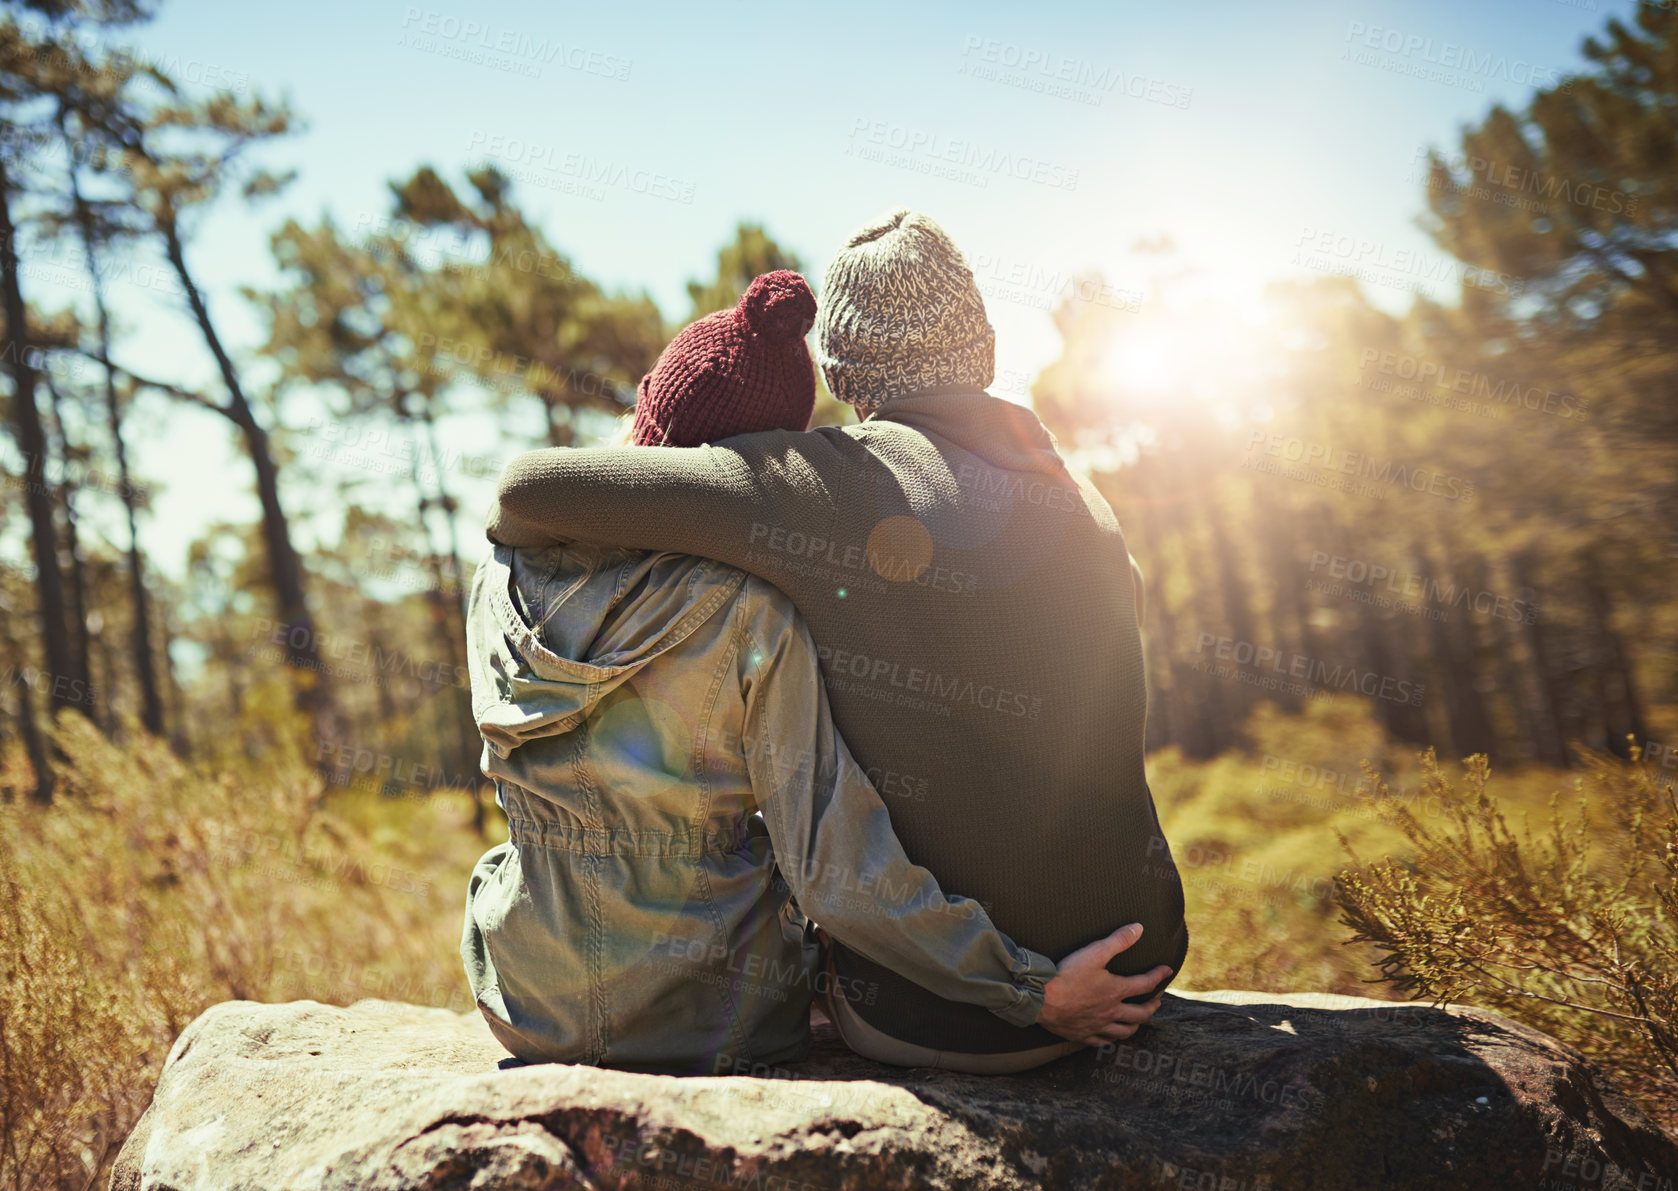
(900, 314)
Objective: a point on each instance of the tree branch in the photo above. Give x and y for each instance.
(161, 386)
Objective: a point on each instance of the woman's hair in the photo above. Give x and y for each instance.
(623, 433)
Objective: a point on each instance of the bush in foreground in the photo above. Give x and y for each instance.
(1572, 929)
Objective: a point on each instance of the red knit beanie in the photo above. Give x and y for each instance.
(734, 371)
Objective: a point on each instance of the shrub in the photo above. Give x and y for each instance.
(1572, 929)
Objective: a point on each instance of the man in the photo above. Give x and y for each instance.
(973, 606)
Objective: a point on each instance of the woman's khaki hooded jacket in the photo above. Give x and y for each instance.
(678, 801)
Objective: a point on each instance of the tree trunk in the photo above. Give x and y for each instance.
(1469, 725)
(180, 741)
(145, 671)
(285, 568)
(458, 753)
(31, 440)
(1386, 659)
(1514, 669)
(446, 502)
(1553, 740)
(32, 742)
(1622, 708)
(83, 695)
(560, 431)
(1222, 704)
(1287, 605)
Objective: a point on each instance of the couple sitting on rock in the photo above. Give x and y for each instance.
(851, 716)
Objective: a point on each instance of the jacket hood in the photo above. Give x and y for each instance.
(554, 631)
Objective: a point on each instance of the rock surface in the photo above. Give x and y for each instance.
(1227, 1091)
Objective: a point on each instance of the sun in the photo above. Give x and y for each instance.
(1194, 358)
(1144, 368)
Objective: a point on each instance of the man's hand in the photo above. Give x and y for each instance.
(1085, 1002)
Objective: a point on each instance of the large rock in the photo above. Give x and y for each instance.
(1225, 1091)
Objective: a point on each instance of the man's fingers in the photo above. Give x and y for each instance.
(1130, 1018)
(1129, 986)
(1119, 940)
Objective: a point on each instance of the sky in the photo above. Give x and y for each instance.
(1268, 141)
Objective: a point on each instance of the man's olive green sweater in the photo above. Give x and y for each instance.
(972, 604)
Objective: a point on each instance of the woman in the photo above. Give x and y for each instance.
(678, 798)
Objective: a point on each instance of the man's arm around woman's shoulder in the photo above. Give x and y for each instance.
(696, 500)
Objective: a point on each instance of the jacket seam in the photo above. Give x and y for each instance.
(582, 768)
(702, 736)
(736, 1027)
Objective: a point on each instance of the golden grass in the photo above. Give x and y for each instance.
(155, 888)
(152, 890)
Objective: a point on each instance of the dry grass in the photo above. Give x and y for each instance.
(152, 890)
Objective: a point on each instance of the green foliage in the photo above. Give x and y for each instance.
(752, 253)
(1253, 833)
(1572, 929)
(1594, 163)
(518, 315)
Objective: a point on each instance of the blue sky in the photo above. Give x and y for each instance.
(1046, 138)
